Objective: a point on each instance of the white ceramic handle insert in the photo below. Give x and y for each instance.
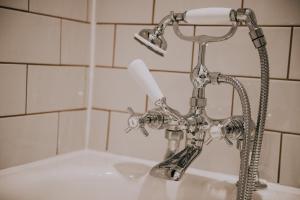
(208, 16)
(141, 74)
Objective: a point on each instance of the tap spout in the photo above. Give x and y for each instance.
(174, 167)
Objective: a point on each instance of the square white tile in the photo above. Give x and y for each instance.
(115, 89)
(27, 138)
(12, 89)
(99, 127)
(29, 38)
(275, 12)
(71, 132)
(55, 88)
(75, 43)
(19, 4)
(104, 45)
(129, 11)
(290, 161)
(283, 109)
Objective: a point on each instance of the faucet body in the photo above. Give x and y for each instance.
(196, 127)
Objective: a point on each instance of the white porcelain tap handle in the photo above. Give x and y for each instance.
(141, 74)
(208, 16)
(136, 121)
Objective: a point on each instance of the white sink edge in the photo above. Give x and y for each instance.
(199, 172)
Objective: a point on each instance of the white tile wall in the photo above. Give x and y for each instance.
(275, 12)
(104, 45)
(269, 161)
(290, 162)
(33, 38)
(134, 143)
(131, 11)
(55, 88)
(163, 7)
(12, 89)
(238, 56)
(71, 132)
(176, 49)
(63, 8)
(75, 43)
(220, 157)
(27, 138)
(19, 4)
(99, 127)
(295, 61)
(28, 38)
(114, 89)
(283, 110)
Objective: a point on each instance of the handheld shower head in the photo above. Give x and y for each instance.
(153, 40)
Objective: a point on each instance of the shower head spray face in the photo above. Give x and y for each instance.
(153, 41)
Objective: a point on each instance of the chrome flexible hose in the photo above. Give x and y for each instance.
(260, 124)
(246, 148)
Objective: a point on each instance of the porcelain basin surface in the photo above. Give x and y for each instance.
(103, 176)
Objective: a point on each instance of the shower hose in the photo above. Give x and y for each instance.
(248, 172)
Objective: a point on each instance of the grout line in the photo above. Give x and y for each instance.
(108, 131)
(114, 45)
(60, 41)
(188, 72)
(146, 105)
(46, 64)
(279, 163)
(26, 89)
(285, 132)
(153, 11)
(232, 102)
(109, 67)
(257, 77)
(57, 137)
(290, 53)
(123, 23)
(222, 25)
(28, 5)
(107, 109)
(46, 112)
(44, 14)
(145, 24)
(169, 71)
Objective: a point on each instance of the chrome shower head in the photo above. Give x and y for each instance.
(153, 40)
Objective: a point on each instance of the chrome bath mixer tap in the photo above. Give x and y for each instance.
(196, 127)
